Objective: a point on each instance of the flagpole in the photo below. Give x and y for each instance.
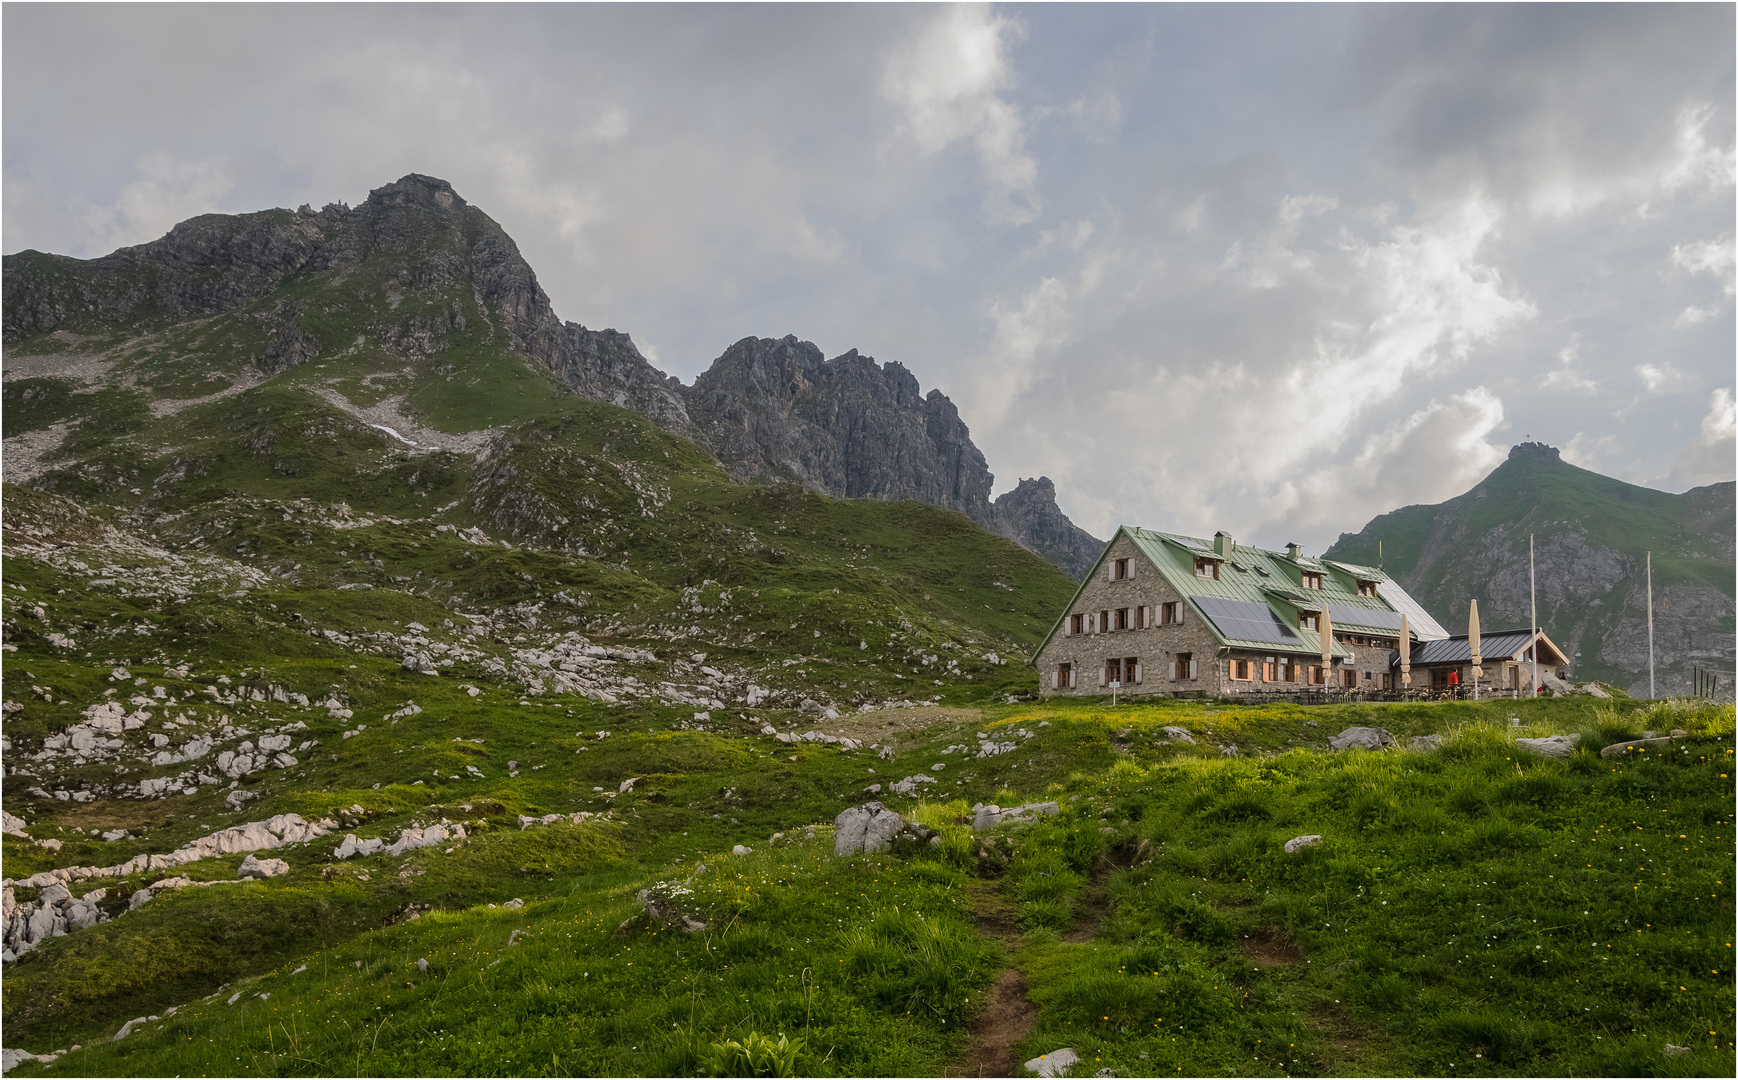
(1650, 624)
(1533, 589)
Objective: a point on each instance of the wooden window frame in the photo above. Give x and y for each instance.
(1313, 580)
(1366, 588)
(1247, 669)
(1309, 620)
(1206, 568)
(1121, 570)
(1065, 675)
(1171, 614)
(1077, 623)
(1121, 621)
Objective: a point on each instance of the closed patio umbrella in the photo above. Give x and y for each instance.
(1472, 637)
(1405, 655)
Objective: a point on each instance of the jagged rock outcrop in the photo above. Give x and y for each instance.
(775, 408)
(1029, 516)
(848, 426)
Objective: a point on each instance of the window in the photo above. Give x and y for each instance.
(1171, 614)
(1268, 671)
(1113, 670)
(1064, 675)
(1123, 669)
(1142, 621)
(1242, 670)
(1077, 624)
(1309, 620)
(1318, 677)
(1366, 588)
(1349, 678)
(1122, 619)
(1120, 571)
(1103, 622)
(1131, 668)
(1208, 568)
(1183, 667)
(1312, 581)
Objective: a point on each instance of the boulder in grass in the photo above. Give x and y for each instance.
(1617, 750)
(1177, 734)
(1055, 1063)
(870, 827)
(1557, 746)
(1364, 738)
(253, 867)
(988, 817)
(1426, 743)
(1298, 843)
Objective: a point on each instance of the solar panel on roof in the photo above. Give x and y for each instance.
(1245, 621)
(1358, 616)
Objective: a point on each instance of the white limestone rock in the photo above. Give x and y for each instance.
(869, 827)
(1363, 738)
(1557, 746)
(990, 816)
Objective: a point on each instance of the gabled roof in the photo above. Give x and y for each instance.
(1494, 646)
(1254, 583)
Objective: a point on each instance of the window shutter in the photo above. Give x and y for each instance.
(1173, 671)
(1137, 672)
(1192, 664)
(1101, 677)
(1067, 626)
(1180, 607)
(1056, 679)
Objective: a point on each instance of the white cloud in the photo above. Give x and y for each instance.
(1697, 163)
(1252, 436)
(948, 83)
(1660, 377)
(167, 191)
(1710, 258)
(1433, 454)
(1713, 457)
(1569, 374)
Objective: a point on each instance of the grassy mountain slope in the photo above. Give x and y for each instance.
(1591, 535)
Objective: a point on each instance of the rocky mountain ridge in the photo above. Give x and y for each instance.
(1591, 537)
(768, 408)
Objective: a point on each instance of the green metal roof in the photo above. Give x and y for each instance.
(1270, 578)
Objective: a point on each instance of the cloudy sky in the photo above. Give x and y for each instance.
(1268, 269)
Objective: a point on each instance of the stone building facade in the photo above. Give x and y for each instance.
(1170, 615)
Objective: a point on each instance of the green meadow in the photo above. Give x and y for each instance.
(1475, 910)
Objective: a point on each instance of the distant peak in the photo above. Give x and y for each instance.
(428, 192)
(1538, 451)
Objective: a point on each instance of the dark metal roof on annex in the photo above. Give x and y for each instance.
(1497, 645)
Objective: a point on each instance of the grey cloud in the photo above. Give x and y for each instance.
(1239, 249)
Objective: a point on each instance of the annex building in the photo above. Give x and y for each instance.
(1167, 614)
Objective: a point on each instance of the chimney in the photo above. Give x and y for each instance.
(1222, 544)
(1293, 551)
